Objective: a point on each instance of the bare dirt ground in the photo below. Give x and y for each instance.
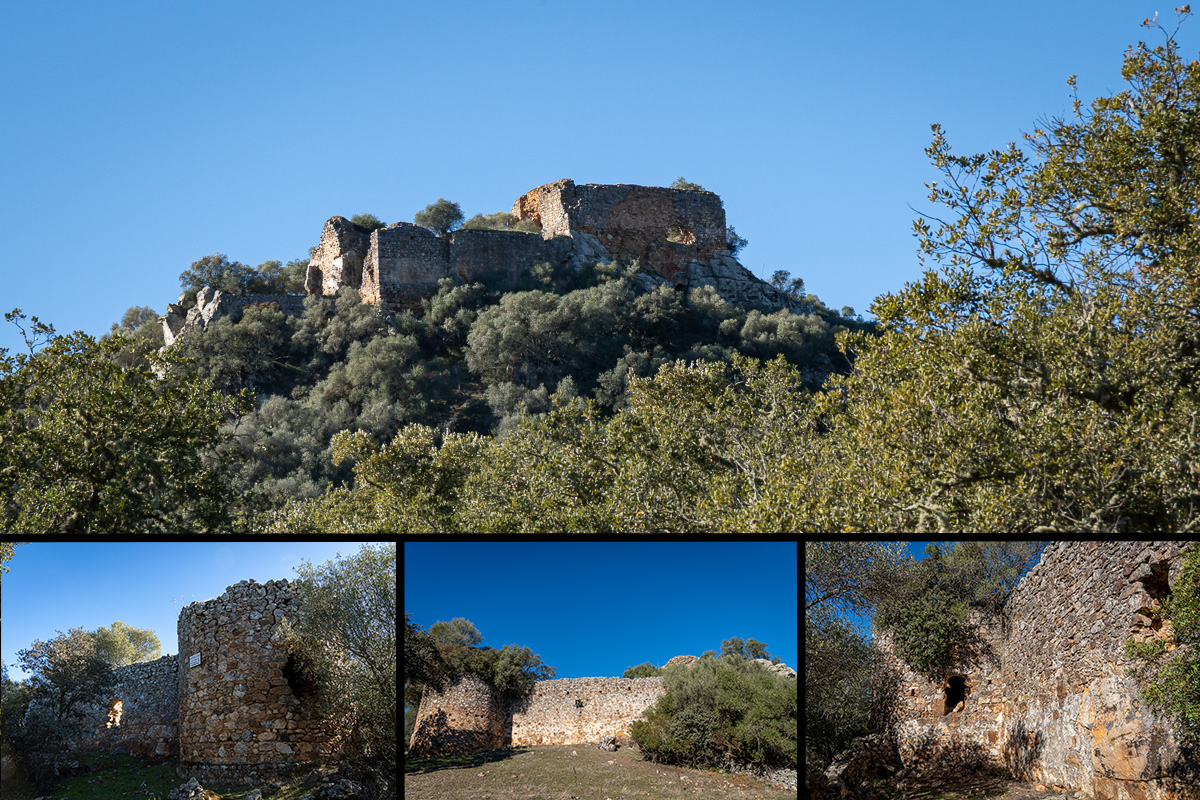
(553, 773)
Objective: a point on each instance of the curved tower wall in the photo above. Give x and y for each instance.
(243, 710)
(467, 717)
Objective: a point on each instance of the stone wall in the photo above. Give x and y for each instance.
(665, 229)
(550, 714)
(1047, 696)
(502, 258)
(140, 716)
(244, 710)
(467, 717)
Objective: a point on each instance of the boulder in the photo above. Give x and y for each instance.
(608, 743)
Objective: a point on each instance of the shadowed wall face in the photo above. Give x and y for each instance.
(1044, 688)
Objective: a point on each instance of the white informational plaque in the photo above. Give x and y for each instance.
(194, 661)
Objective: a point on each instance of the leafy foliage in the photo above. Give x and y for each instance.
(91, 446)
(719, 709)
(440, 217)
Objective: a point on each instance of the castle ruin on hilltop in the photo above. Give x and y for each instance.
(678, 236)
(1041, 688)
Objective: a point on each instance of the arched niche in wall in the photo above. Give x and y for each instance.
(955, 692)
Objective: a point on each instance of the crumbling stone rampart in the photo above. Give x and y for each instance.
(1041, 689)
(677, 235)
(245, 709)
(138, 718)
(665, 229)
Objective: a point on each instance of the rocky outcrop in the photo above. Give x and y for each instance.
(686, 661)
(213, 303)
(782, 670)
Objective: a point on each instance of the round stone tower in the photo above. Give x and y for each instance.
(245, 710)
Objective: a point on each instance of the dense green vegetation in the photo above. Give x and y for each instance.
(1042, 377)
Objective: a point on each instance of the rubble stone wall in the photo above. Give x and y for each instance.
(664, 228)
(469, 716)
(244, 707)
(550, 715)
(1046, 690)
(139, 718)
(502, 257)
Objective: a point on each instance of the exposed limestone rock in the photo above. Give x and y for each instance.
(686, 661)
(782, 670)
(213, 303)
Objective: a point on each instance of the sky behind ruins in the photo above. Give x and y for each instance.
(56, 586)
(142, 136)
(595, 609)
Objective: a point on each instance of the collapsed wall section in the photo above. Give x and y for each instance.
(578, 710)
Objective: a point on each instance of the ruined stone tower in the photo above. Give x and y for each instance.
(245, 711)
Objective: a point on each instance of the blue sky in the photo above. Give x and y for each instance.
(594, 609)
(141, 136)
(56, 586)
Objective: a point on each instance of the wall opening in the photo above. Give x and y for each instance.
(114, 714)
(956, 692)
(302, 688)
(678, 234)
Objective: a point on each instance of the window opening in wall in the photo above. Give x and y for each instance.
(956, 692)
(114, 714)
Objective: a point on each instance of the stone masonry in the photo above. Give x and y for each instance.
(139, 718)
(577, 710)
(677, 235)
(232, 707)
(245, 710)
(470, 716)
(1041, 689)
